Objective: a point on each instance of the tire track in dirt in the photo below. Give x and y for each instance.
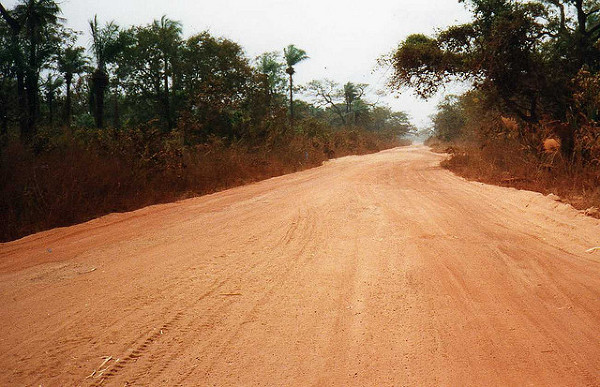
(374, 270)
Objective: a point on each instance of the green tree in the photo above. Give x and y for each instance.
(40, 25)
(217, 78)
(105, 49)
(169, 39)
(450, 119)
(345, 102)
(150, 68)
(13, 65)
(328, 93)
(51, 85)
(269, 66)
(293, 56)
(7, 75)
(36, 32)
(71, 61)
(355, 106)
(523, 55)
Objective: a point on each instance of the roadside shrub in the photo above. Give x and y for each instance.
(73, 176)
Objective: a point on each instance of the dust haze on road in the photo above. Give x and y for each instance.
(374, 270)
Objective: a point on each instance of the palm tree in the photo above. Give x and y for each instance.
(169, 39)
(71, 61)
(352, 96)
(37, 21)
(103, 48)
(18, 56)
(51, 85)
(293, 56)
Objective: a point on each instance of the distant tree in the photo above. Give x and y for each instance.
(7, 75)
(104, 48)
(13, 66)
(450, 119)
(270, 66)
(353, 93)
(328, 93)
(51, 85)
(216, 78)
(293, 56)
(169, 39)
(346, 102)
(150, 68)
(71, 61)
(36, 33)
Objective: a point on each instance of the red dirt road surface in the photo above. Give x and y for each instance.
(374, 270)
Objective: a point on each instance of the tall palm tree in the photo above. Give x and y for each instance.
(293, 56)
(51, 85)
(36, 21)
(71, 61)
(18, 56)
(169, 39)
(103, 48)
(352, 98)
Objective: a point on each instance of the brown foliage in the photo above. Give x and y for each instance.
(83, 175)
(508, 163)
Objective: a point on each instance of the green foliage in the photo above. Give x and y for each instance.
(35, 32)
(344, 106)
(519, 53)
(105, 48)
(450, 120)
(202, 86)
(293, 55)
(522, 58)
(106, 45)
(269, 65)
(147, 67)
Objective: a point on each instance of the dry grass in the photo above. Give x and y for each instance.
(509, 164)
(82, 175)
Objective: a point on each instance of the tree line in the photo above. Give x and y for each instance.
(144, 115)
(535, 62)
(202, 85)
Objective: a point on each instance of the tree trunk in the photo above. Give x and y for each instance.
(291, 102)
(167, 104)
(116, 113)
(99, 84)
(3, 112)
(32, 105)
(68, 80)
(50, 98)
(32, 86)
(22, 103)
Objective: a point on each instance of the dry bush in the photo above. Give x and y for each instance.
(510, 163)
(73, 177)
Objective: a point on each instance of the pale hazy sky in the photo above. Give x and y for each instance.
(342, 38)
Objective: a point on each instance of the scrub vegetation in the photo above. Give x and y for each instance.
(530, 118)
(145, 115)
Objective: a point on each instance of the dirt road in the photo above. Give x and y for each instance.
(374, 270)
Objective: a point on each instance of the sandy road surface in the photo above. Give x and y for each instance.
(374, 270)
